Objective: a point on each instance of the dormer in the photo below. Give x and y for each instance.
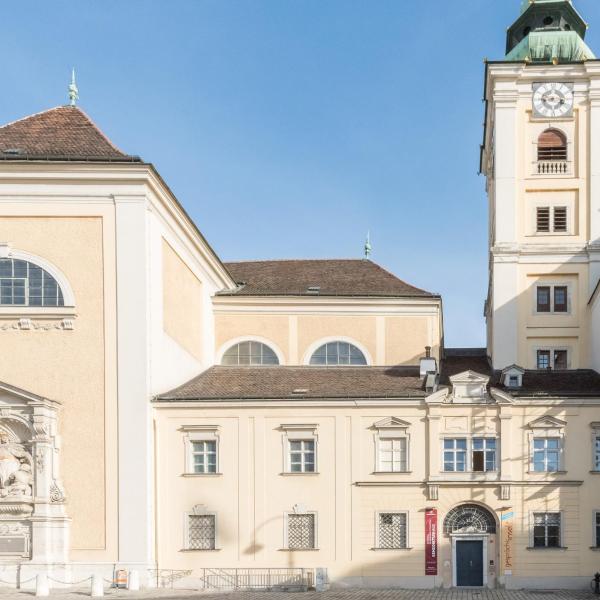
(469, 387)
(512, 377)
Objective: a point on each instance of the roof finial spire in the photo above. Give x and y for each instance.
(73, 91)
(368, 246)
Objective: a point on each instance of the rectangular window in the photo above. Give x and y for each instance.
(301, 531)
(392, 531)
(597, 528)
(543, 359)
(302, 456)
(546, 455)
(546, 530)
(455, 455)
(543, 299)
(484, 454)
(560, 219)
(543, 219)
(201, 532)
(560, 298)
(551, 219)
(204, 456)
(597, 453)
(560, 359)
(392, 455)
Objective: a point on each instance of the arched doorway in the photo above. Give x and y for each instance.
(470, 527)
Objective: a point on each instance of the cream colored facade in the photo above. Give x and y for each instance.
(130, 437)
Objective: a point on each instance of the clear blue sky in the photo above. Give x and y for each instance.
(288, 128)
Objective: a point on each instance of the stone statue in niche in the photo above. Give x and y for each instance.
(15, 468)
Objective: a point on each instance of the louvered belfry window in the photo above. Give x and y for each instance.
(301, 531)
(552, 145)
(201, 532)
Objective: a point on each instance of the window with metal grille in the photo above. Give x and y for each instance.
(484, 454)
(455, 454)
(597, 528)
(392, 531)
(546, 530)
(559, 220)
(302, 456)
(204, 456)
(546, 454)
(24, 284)
(338, 353)
(301, 531)
(201, 532)
(249, 353)
(543, 299)
(552, 145)
(543, 219)
(392, 455)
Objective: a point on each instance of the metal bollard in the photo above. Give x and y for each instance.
(97, 590)
(597, 583)
(134, 581)
(41, 585)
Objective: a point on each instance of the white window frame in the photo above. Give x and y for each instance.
(469, 453)
(551, 208)
(302, 452)
(595, 453)
(561, 515)
(299, 510)
(553, 284)
(199, 511)
(200, 433)
(454, 449)
(391, 428)
(547, 427)
(546, 450)
(295, 433)
(378, 514)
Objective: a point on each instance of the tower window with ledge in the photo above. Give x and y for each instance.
(23, 283)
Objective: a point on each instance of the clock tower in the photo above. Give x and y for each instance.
(541, 159)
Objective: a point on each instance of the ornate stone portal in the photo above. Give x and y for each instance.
(33, 523)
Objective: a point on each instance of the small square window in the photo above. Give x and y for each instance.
(301, 531)
(546, 530)
(204, 456)
(201, 532)
(302, 456)
(543, 359)
(392, 533)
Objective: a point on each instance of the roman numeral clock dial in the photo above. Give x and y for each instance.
(552, 100)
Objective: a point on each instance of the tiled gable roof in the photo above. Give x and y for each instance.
(232, 383)
(62, 133)
(336, 277)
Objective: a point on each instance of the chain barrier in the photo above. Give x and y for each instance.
(19, 583)
(69, 582)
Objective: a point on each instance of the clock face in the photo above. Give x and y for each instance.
(553, 99)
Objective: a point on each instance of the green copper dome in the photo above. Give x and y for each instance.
(548, 31)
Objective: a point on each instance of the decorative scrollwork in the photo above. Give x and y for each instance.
(469, 518)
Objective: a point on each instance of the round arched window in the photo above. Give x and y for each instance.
(23, 283)
(338, 353)
(552, 145)
(469, 518)
(249, 353)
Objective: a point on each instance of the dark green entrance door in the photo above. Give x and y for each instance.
(469, 563)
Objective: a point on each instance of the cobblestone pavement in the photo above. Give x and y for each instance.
(352, 594)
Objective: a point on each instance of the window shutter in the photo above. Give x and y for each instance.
(560, 219)
(543, 219)
(552, 145)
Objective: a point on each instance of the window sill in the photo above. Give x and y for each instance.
(391, 472)
(59, 312)
(299, 549)
(546, 472)
(301, 473)
(202, 474)
(544, 548)
(389, 549)
(595, 472)
(200, 550)
(595, 548)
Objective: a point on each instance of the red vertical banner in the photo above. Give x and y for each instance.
(431, 541)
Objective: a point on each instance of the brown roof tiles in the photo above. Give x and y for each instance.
(337, 277)
(62, 133)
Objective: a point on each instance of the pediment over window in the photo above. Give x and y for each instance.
(391, 423)
(547, 422)
(469, 386)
